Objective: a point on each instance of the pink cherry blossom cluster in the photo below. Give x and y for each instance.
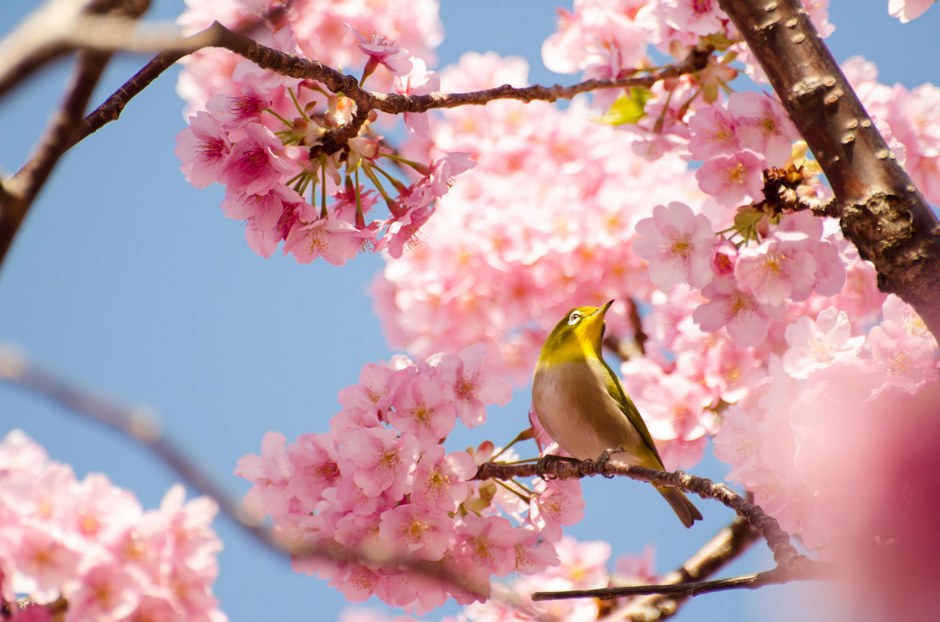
(746, 288)
(323, 30)
(258, 134)
(737, 143)
(380, 494)
(542, 223)
(832, 381)
(609, 40)
(89, 544)
(581, 566)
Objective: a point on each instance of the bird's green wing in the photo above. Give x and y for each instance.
(629, 410)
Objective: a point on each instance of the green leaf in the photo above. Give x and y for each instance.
(628, 108)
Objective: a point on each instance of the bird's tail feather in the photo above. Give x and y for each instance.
(681, 505)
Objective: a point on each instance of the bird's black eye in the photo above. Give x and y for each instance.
(574, 318)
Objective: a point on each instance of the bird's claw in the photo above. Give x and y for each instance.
(604, 459)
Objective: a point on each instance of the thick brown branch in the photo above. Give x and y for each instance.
(777, 539)
(801, 569)
(880, 209)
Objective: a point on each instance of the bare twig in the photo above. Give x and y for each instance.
(61, 26)
(730, 542)
(110, 110)
(800, 569)
(627, 349)
(20, 191)
(879, 208)
(37, 40)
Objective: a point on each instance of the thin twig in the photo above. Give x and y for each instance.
(802, 569)
(728, 544)
(629, 349)
(110, 110)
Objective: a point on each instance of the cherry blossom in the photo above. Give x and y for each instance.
(90, 543)
(713, 133)
(763, 126)
(746, 320)
(733, 179)
(678, 245)
(814, 344)
(907, 10)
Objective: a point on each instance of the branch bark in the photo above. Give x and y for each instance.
(803, 569)
(880, 209)
(727, 545)
(565, 468)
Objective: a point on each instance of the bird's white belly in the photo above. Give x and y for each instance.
(576, 410)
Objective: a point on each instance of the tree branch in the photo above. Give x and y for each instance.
(20, 191)
(733, 540)
(801, 569)
(37, 41)
(680, 585)
(627, 349)
(777, 539)
(880, 210)
(265, 57)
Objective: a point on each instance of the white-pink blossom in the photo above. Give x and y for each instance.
(746, 320)
(763, 126)
(733, 179)
(678, 244)
(814, 344)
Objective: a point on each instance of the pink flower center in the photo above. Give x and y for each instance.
(415, 531)
(211, 150)
(681, 247)
(773, 264)
(739, 302)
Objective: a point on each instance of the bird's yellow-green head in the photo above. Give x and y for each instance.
(576, 337)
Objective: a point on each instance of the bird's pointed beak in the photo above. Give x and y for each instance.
(602, 311)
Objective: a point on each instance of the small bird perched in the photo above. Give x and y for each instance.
(582, 405)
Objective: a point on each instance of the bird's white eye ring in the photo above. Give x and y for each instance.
(574, 318)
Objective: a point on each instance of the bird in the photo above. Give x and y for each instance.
(582, 405)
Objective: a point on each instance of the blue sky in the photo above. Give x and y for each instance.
(129, 281)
